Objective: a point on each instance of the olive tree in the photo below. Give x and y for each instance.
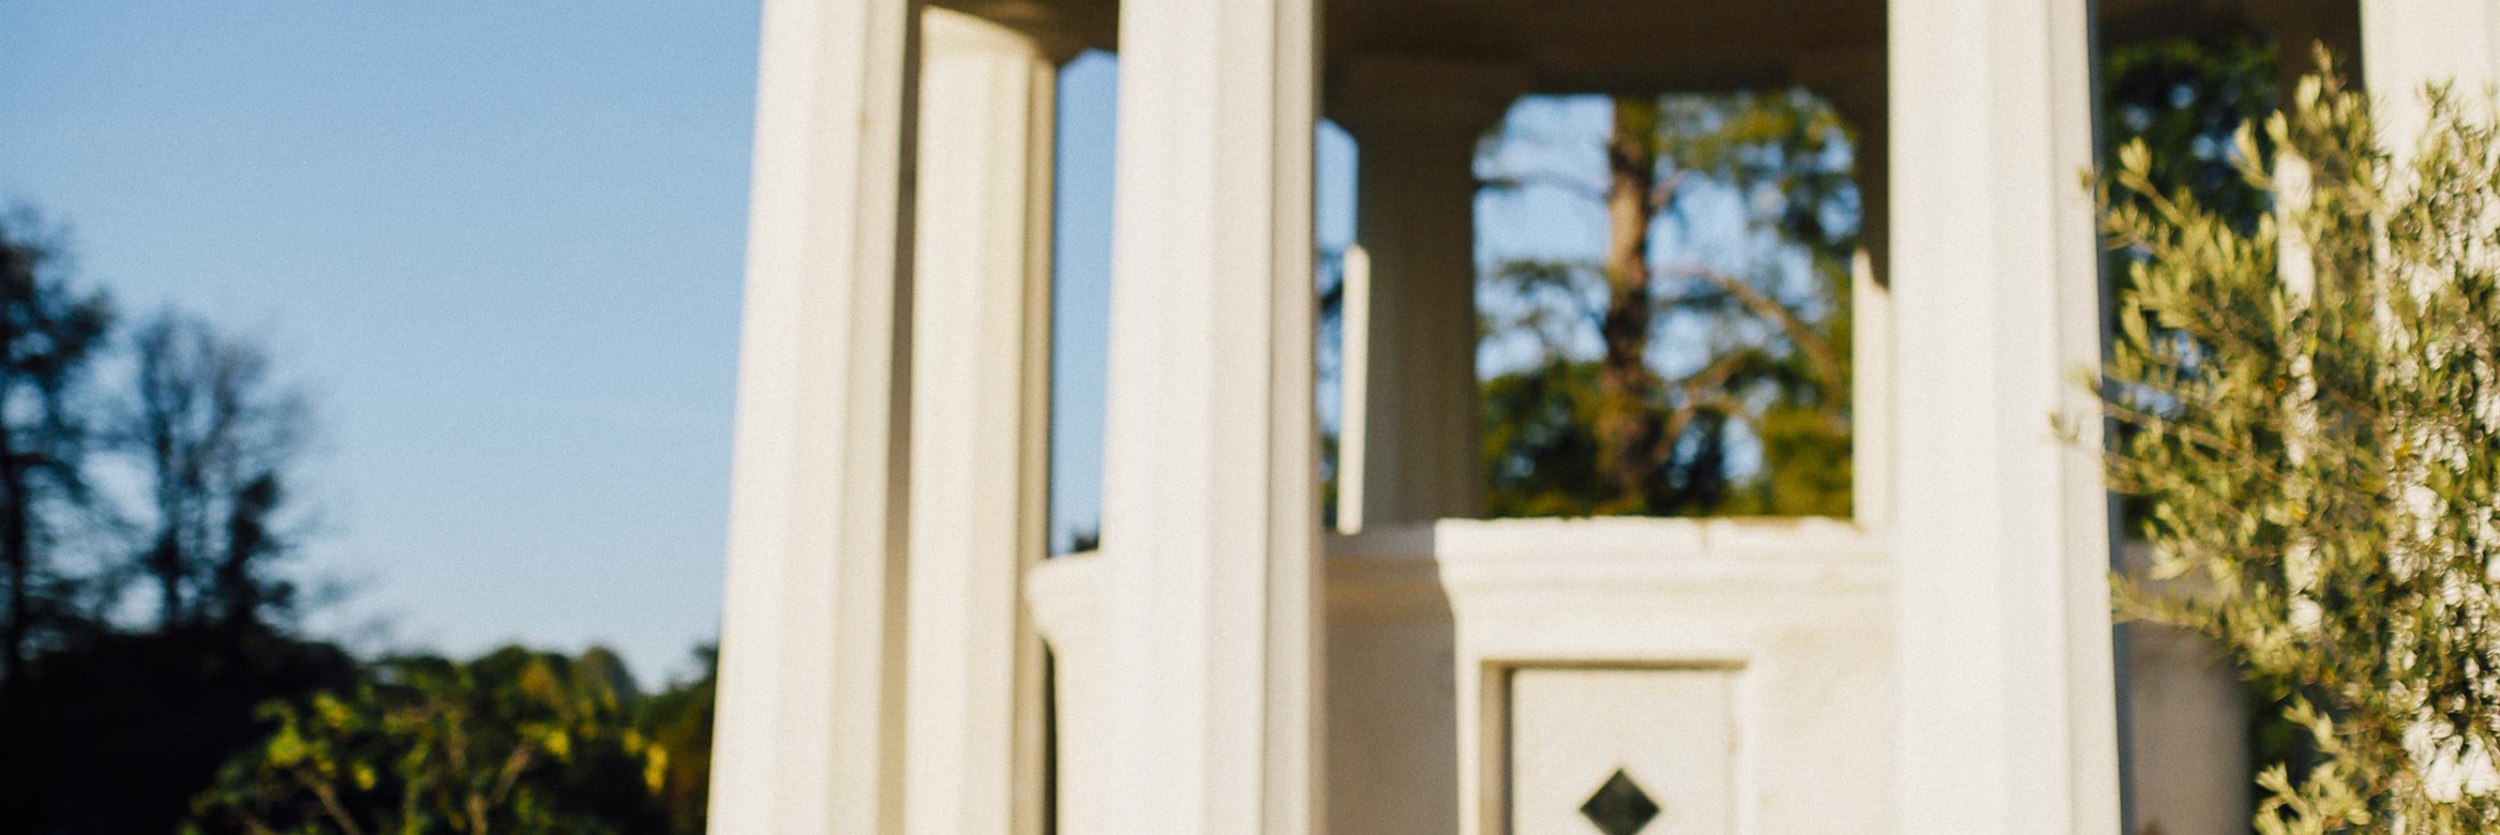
(2306, 407)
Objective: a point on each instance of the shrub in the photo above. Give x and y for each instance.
(2307, 409)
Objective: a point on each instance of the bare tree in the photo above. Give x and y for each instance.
(216, 436)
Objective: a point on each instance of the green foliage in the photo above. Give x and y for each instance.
(1540, 455)
(679, 722)
(2306, 409)
(515, 741)
(1806, 465)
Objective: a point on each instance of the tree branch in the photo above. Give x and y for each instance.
(329, 798)
(1548, 179)
(1820, 352)
(1700, 394)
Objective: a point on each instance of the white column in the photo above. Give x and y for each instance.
(808, 739)
(2408, 43)
(1210, 517)
(2007, 705)
(1412, 456)
(1066, 596)
(980, 379)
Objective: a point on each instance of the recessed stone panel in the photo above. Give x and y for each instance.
(1617, 751)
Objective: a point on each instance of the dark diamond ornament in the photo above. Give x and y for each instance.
(1620, 807)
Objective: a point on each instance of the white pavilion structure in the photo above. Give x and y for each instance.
(899, 657)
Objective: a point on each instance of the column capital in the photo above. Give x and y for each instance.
(950, 33)
(1391, 91)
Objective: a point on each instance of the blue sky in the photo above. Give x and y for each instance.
(500, 243)
(1080, 291)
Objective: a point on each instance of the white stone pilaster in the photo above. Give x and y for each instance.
(2008, 719)
(808, 736)
(1413, 455)
(1210, 517)
(980, 379)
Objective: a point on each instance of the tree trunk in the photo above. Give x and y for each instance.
(166, 560)
(1626, 425)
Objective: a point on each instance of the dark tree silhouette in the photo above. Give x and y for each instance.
(200, 718)
(105, 729)
(49, 330)
(216, 436)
